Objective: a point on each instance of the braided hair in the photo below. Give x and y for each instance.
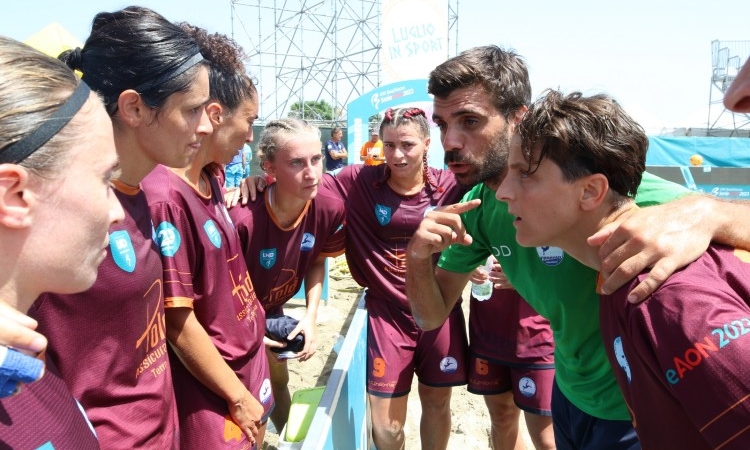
(407, 116)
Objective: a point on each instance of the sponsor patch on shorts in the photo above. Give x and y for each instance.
(527, 387)
(448, 364)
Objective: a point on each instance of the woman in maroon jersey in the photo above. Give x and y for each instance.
(286, 236)
(384, 206)
(214, 322)
(154, 84)
(57, 157)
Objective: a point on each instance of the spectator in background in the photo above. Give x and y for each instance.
(335, 152)
(235, 170)
(372, 151)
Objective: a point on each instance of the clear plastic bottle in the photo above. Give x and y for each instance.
(483, 291)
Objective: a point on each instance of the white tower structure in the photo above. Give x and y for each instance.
(314, 50)
(727, 60)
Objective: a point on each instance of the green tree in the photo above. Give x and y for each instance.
(312, 110)
(374, 120)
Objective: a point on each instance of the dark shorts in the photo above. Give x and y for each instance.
(397, 348)
(576, 430)
(506, 328)
(531, 386)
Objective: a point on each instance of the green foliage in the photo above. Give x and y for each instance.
(312, 110)
(375, 120)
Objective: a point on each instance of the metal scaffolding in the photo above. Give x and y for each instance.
(302, 51)
(727, 60)
(310, 51)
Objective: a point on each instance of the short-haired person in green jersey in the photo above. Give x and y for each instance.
(575, 165)
(477, 107)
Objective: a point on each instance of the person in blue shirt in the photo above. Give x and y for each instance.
(335, 152)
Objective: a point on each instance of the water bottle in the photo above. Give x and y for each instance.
(483, 291)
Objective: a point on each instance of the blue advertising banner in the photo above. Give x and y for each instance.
(412, 93)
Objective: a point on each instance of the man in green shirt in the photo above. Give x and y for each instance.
(479, 97)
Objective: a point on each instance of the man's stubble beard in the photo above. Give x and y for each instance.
(492, 170)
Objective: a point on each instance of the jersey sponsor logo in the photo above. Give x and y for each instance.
(527, 387)
(383, 214)
(694, 356)
(502, 250)
(168, 239)
(213, 233)
(622, 360)
(153, 341)
(122, 250)
(308, 242)
(448, 364)
(47, 446)
(550, 256)
(265, 391)
(268, 257)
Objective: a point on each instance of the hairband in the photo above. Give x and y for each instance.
(193, 60)
(30, 143)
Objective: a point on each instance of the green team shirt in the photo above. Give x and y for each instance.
(560, 288)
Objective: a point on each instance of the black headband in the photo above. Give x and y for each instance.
(146, 85)
(30, 143)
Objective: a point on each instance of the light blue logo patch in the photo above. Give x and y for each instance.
(448, 364)
(265, 391)
(383, 214)
(620, 356)
(122, 250)
(268, 257)
(550, 256)
(213, 233)
(428, 209)
(308, 242)
(527, 387)
(168, 239)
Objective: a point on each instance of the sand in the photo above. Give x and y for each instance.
(470, 424)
